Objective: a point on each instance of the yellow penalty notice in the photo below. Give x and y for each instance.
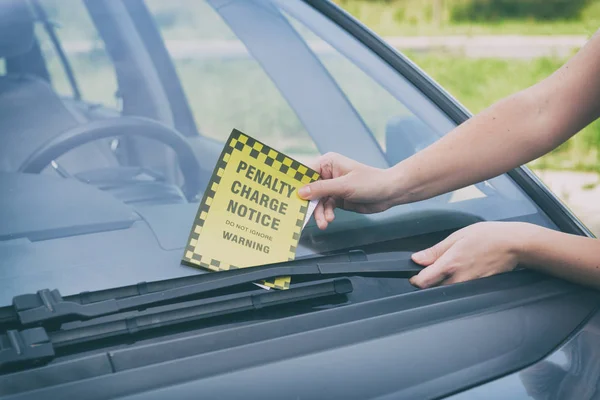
(250, 214)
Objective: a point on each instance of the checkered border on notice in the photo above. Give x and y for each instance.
(238, 141)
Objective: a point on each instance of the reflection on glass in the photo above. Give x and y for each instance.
(577, 379)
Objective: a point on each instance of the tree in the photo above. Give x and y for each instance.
(490, 10)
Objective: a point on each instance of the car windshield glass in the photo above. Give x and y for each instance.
(108, 108)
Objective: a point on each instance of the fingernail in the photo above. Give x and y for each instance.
(304, 191)
(329, 215)
(418, 256)
(322, 224)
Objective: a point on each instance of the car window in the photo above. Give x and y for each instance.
(229, 86)
(375, 105)
(93, 73)
(226, 87)
(112, 216)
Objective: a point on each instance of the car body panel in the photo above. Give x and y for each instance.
(388, 347)
(570, 372)
(384, 340)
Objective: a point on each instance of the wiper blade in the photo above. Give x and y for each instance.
(37, 345)
(49, 307)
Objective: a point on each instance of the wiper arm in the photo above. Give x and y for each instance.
(49, 307)
(37, 345)
(9, 317)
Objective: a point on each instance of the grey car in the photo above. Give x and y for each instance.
(112, 116)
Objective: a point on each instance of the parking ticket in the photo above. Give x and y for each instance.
(251, 213)
(311, 208)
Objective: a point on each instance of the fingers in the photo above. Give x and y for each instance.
(324, 212)
(324, 165)
(331, 167)
(331, 162)
(320, 189)
(315, 164)
(437, 260)
(319, 215)
(329, 206)
(432, 275)
(431, 255)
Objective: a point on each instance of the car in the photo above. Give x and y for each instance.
(112, 117)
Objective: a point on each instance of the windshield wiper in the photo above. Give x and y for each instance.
(49, 307)
(36, 345)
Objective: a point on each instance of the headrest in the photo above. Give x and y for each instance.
(16, 28)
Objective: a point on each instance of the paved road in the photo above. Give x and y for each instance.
(501, 46)
(504, 46)
(579, 191)
(512, 46)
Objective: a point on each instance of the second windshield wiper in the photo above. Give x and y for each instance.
(48, 306)
(38, 345)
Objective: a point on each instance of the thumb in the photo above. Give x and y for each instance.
(433, 275)
(335, 187)
(429, 256)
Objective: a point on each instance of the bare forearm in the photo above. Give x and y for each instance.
(506, 135)
(570, 257)
(510, 133)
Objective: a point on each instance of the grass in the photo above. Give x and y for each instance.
(478, 83)
(414, 18)
(506, 27)
(227, 94)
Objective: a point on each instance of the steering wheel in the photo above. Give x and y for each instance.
(123, 127)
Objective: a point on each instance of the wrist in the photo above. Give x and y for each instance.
(399, 186)
(525, 241)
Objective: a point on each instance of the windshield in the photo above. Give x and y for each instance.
(109, 111)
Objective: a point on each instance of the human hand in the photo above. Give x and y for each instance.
(346, 184)
(477, 251)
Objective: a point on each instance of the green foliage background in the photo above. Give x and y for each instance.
(477, 83)
(476, 17)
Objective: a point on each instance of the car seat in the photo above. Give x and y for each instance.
(31, 112)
